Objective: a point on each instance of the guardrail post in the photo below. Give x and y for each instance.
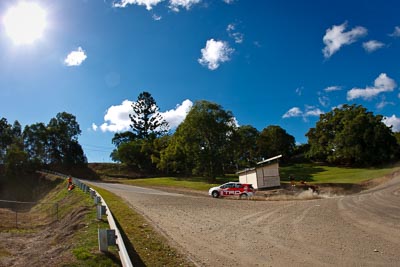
(106, 238)
(101, 210)
(103, 244)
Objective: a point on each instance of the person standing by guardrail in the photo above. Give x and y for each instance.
(70, 184)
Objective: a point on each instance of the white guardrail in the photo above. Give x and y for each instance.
(106, 237)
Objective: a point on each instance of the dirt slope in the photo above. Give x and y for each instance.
(48, 246)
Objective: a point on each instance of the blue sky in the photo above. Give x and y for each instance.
(269, 62)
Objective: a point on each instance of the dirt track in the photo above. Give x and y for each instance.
(355, 230)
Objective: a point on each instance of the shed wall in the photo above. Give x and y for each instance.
(249, 177)
(268, 176)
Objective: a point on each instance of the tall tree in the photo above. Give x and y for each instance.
(124, 137)
(146, 118)
(140, 148)
(274, 140)
(135, 154)
(62, 134)
(351, 135)
(35, 142)
(6, 138)
(16, 160)
(16, 130)
(200, 144)
(244, 146)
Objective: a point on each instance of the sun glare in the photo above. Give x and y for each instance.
(25, 23)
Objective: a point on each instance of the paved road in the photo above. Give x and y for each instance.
(356, 230)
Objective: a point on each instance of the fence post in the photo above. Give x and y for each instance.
(57, 211)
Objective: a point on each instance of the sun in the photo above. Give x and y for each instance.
(25, 23)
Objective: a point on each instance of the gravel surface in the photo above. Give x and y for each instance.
(354, 230)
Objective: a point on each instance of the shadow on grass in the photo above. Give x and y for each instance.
(300, 172)
(133, 255)
(218, 180)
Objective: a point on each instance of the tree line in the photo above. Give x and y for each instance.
(39, 144)
(209, 142)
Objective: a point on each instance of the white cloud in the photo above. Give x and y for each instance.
(235, 122)
(392, 121)
(396, 32)
(338, 106)
(117, 117)
(382, 84)
(313, 112)
(231, 27)
(299, 90)
(175, 5)
(257, 44)
(324, 101)
(215, 53)
(293, 112)
(228, 1)
(148, 3)
(336, 37)
(75, 58)
(174, 117)
(372, 45)
(156, 17)
(384, 103)
(297, 112)
(237, 36)
(332, 88)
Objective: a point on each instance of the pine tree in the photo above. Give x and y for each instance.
(146, 120)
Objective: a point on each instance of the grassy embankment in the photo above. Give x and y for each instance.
(328, 174)
(85, 240)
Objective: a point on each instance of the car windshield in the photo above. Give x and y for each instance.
(230, 185)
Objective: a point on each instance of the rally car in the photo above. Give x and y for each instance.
(232, 189)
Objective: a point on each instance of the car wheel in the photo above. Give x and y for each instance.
(244, 195)
(215, 194)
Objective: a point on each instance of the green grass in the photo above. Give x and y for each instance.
(145, 246)
(326, 174)
(4, 253)
(85, 240)
(187, 183)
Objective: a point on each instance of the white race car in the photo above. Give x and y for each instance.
(232, 189)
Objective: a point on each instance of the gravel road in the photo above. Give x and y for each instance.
(354, 230)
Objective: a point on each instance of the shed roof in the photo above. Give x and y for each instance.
(269, 160)
(260, 163)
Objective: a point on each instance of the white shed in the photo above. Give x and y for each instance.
(264, 175)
